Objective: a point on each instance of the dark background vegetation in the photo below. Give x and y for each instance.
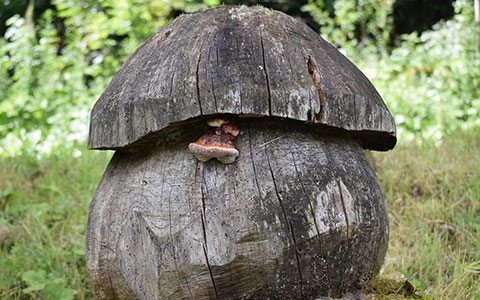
(423, 56)
(407, 15)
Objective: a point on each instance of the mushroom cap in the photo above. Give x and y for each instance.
(215, 143)
(231, 129)
(245, 61)
(205, 153)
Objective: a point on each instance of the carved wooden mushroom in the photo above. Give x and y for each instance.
(298, 214)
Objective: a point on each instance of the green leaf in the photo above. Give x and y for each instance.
(418, 284)
(58, 292)
(35, 280)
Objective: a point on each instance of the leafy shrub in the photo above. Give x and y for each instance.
(51, 74)
(430, 82)
(53, 70)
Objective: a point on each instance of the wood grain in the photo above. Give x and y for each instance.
(298, 215)
(240, 61)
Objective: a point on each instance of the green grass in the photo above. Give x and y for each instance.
(44, 206)
(433, 198)
(432, 194)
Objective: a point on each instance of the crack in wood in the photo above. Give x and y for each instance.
(337, 180)
(210, 271)
(297, 250)
(269, 142)
(196, 76)
(306, 195)
(214, 97)
(288, 223)
(171, 85)
(313, 71)
(254, 170)
(205, 245)
(202, 215)
(265, 72)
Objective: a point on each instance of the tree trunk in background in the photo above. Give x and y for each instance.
(477, 12)
(476, 8)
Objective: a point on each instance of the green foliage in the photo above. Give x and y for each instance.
(51, 286)
(43, 217)
(353, 25)
(54, 68)
(430, 82)
(53, 71)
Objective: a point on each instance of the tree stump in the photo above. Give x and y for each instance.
(299, 214)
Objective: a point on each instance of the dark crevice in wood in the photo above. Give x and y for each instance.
(288, 223)
(216, 174)
(253, 166)
(265, 72)
(240, 88)
(214, 97)
(234, 191)
(163, 38)
(191, 129)
(205, 246)
(171, 86)
(306, 196)
(217, 50)
(337, 180)
(202, 212)
(196, 76)
(210, 271)
(313, 71)
(217, 63)
(202, 215)
(297, 251)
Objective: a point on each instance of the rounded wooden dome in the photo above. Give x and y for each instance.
(240, 61)
(297, 216)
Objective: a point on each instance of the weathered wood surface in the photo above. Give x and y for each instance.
(298, 215)
(237, 60)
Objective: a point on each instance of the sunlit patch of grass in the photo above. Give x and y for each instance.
(43, 215)
(433, 199)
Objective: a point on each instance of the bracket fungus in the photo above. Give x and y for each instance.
(289, 209)
(217, 142)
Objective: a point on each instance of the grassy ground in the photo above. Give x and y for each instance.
(432, 194)
(433, 198)
(44, 206)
